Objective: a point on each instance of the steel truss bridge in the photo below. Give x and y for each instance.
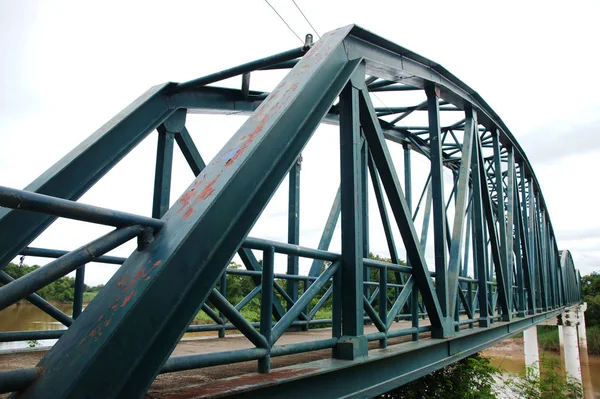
(497, 269)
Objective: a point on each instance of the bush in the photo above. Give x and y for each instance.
(593, 340)
(592, 314)
(551, 383)
(472, 377)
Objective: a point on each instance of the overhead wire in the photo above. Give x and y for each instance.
(319, 36)
(284, 21)
(306, 19)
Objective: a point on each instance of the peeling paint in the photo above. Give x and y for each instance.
(208, 190)
(127, 298)
(188, 213)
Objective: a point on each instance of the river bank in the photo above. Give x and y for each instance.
(509, 357)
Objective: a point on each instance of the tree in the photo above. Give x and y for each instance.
(62, 289)
(590, 288)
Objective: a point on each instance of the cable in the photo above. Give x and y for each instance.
(313, 28)
(286, 24)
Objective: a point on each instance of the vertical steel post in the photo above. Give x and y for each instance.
(223, 291)
(414, 297)
(465, 266)
(520, 252)
(162, 175)
(461, 187)
(79, 289)
(364, 176)
(479, 238)
(526, 245)
(293, 228)
(266, 306)
(501, 218)
(407, 175)
(532, 245)
(352, 344)
(383, 299)
(539, 255)
(439, 209)
(544, 269)
(510, 212)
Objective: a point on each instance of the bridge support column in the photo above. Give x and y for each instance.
(581, 327)
(532, 354)
(572, 364)
(561, 342)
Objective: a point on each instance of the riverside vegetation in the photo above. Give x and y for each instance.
(475, 378)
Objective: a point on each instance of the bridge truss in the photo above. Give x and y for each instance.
(496, 267)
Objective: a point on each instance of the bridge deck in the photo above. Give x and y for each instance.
(180, 384)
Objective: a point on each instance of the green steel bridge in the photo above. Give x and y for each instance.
(496, 268)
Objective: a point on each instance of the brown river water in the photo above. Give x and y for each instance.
(25, 317)
(508, 355)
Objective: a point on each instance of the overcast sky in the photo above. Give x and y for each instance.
(69, 66)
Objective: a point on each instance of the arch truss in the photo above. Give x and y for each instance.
(492, 269)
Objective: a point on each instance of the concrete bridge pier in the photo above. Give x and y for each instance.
(572, 363)
(585, 363)
(532, 354)
(581, 326)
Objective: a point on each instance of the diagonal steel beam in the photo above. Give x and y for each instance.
(494, 243)
(426, 218)
(197, 164)
(462, 196)
(385, 220)
(391, 184)
(501, 219)
(138, 318)
(328, 230)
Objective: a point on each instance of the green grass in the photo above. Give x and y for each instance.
(548, 338)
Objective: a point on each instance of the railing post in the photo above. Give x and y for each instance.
(352, 344)
(266, 306)
(383, 298)
(223, 291)
(79, 289)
